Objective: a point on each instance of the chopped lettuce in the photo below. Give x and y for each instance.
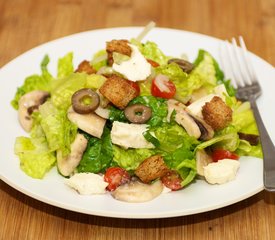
(34, 82)
(131, 158)
(59, 131)
(35, 158)
(99, 59)
(245, 149)
(94, 81)
(98, 155)
(64, 88)
(65, 65)
(177, 148)
(150, 50)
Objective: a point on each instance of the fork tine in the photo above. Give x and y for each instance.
(237, 79)
(246, 60)
(225, 65)
(242, 71)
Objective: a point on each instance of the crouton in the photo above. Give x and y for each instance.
(118, 91)
(85, 66)
(216, 113)
(151, 168)
(119, 46)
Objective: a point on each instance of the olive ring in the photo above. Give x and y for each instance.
(78, 101)
(138, 113)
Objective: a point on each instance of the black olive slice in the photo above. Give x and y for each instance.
(85, 101)
(251, 138)
(183, 64)
(138, 113)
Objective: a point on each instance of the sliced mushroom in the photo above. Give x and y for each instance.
(90, 123)
(67, 165)
(183, 118)
(202, 160)
(102, 112)
(136, 191)
(206, 130)
(183, 64)
(29, 103)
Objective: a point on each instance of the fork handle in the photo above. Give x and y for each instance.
(268, 149)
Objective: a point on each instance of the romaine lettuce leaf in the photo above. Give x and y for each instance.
(98, 155)
(150, 50)
(177, 148)
(64, 88)
(130, 158)
(227, 139)
(99, 59)
(59, 131)
(34, 82)
(245, 149)
(35, 159)
(65, 66)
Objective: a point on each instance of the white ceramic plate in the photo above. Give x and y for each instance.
(196, 198)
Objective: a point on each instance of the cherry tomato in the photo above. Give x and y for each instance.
(135, 86)
(116, 176)
(153, 63)
(172, 180)
(162, 81)
(219, 154)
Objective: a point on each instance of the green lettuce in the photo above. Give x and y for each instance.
(65, 65)
(130, 158)
(64, 88)
(35, 158)
(58, 130)
(34, 82)
(177, 148)
(150, 50)
(246, 149)
(98, 155)
(99, 59)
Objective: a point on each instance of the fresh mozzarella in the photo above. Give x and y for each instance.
(87, 183)
(130, 135)
(196, 107)
(222, 171)
(136, 68)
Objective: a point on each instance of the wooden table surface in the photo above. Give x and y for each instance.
(25, 24)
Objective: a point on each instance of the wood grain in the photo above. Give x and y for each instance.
(25, 24)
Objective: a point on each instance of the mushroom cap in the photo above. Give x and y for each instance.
(27, 104)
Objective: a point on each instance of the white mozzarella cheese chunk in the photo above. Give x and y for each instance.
(222, 171)
(87, 183)
(136, 68)
(129, 135)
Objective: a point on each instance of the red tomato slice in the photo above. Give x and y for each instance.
(135, 86)
(172, 180)
(116, 176)
(163, 87)
(153, 63)
(219, 154)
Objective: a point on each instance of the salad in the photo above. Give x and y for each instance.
(134, 122)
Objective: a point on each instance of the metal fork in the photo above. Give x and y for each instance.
(237, 66)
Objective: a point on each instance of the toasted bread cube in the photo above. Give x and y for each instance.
(118, 90)
(151, 168)
(119, 46)
(216, 113)
(85, 66)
